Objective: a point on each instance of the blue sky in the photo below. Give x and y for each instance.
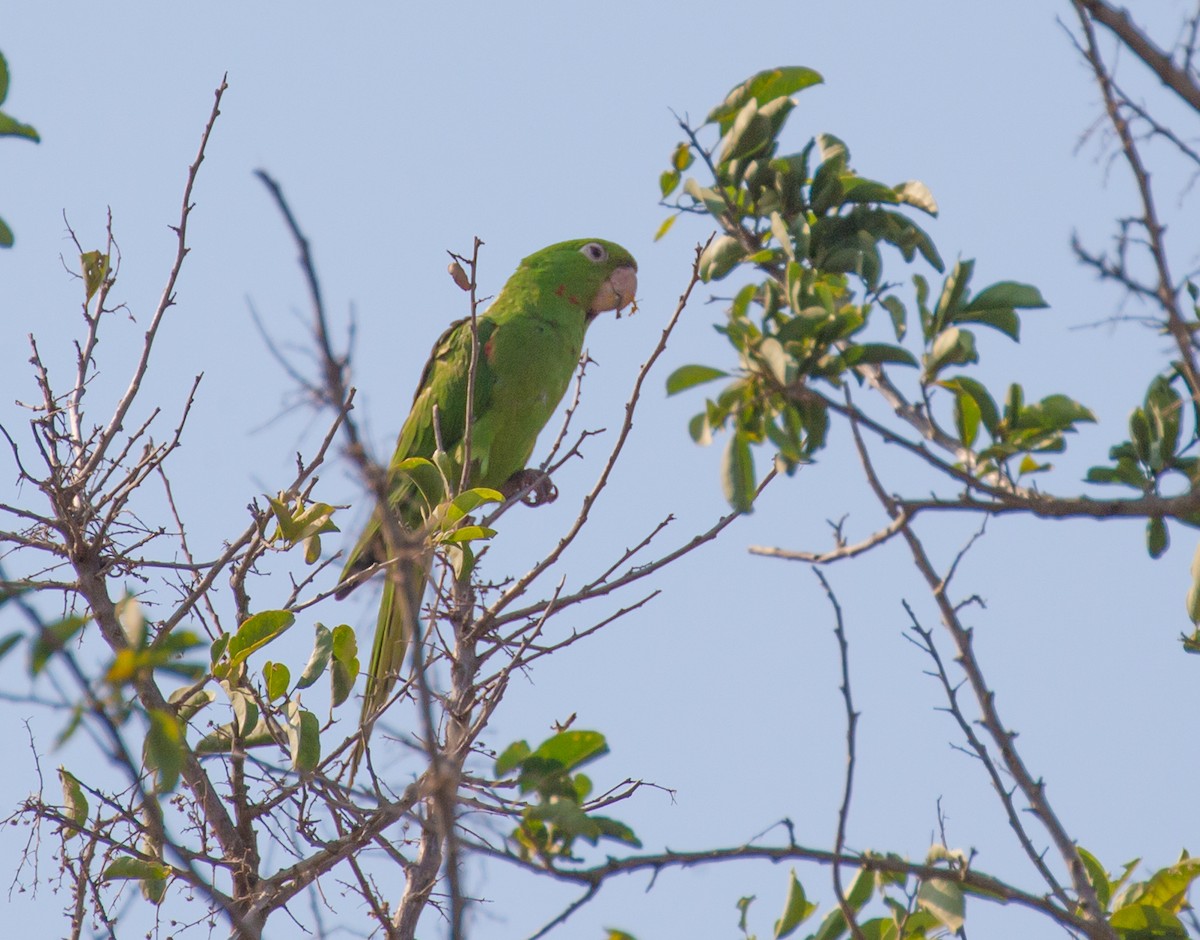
(401, 132)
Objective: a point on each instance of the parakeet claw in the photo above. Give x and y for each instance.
(543, 490)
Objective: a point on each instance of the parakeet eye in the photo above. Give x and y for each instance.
(595, 251)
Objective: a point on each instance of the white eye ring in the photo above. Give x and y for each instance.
(595, 251)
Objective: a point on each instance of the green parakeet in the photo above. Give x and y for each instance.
(530, 341)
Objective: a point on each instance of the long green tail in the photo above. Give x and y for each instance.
(399, 610)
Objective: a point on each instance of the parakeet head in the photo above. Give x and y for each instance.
(595, 274)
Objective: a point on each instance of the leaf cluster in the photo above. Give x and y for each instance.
(812, 236)
(557, 812)
(10, 127)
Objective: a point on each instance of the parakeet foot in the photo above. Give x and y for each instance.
(543, 490)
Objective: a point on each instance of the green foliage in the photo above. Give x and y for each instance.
(812, 236)
(334, 651)
(933, 907)
(301, 524)
(557, 813)
(1144, 910)
(10, 127)
(1156, 453)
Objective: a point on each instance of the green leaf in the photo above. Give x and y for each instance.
(895, 307)
(796, 909)
(862, 190)
(1006, 321)
(762, 87)
(6, 235)
(75, 801)
(1029, 465)
(667, 182)
(834, 924)
(11, 127)
(1167, 888)
(1097, 877)
(963, 385)
(878, 354)
(345, 663)
(709, 198)
(1193, 595)
(720, 257)
(616, 830)
(568, 817)
(319, 659)
(95, 268)
(3, 78)
(189, 701)
(125, 868)
(681, 156)
(164, 748)
(781, 234)
(52, 639)
(1157, 539)
(1007, 295)
(154, 889)
(737, 473)
(470, 500)
(245, 711)
(512, 758)
(469, 533)
(944, 900)
(1145, 922)
(953, 290)
(747, 135)
(345, 644)
(611, 933)
(278, 679)
(572, 749)
(257, 631)
(700, 430)
(686, 377)
(916, 194)
(304, 738)
(951, 347)
(967, 416)
(666, 226)
(9, 641)
(1057, 412)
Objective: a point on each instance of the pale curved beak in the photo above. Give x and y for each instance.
(617, 292)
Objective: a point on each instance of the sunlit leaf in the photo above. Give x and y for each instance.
(94, 264)
(75, 802)
(127, 867)
(721, 256)
(916, 194)
(304, 738)
(944, 900)
(278, 679)
(796, 909)
(257, 631)
(762, 87)
(737, 473)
